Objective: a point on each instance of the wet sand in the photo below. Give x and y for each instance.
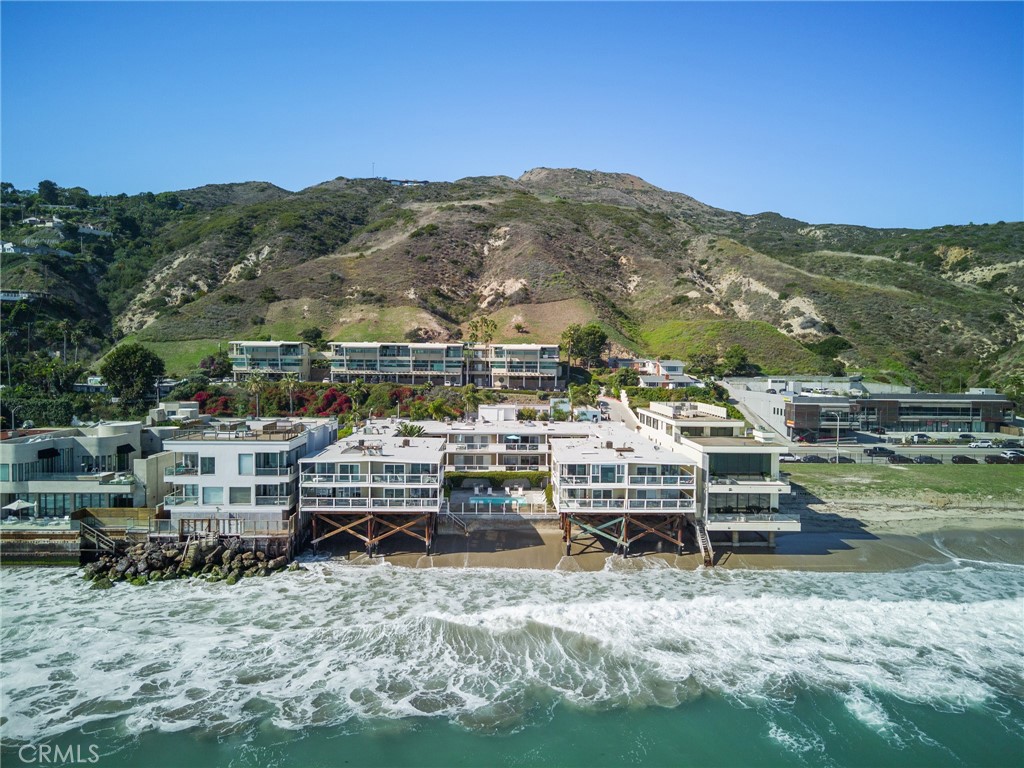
(858, 534)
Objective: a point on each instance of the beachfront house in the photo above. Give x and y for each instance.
(412, 363)
(271, 358)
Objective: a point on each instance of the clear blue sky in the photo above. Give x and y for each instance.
(884, 114)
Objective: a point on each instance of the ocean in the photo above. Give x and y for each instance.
(637, 664)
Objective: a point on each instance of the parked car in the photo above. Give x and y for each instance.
(965, 436)
(840, 460)
(878, 431)
(1010, 454)
(879, 450)
(920, 437)
(771, 391)
(1018, 459)
(789, 457)
(995, 458)
(981, 444)
(899, 458)
(1011, 444)
(805, 439)
(813, 459)
(961, 459)
(927, 460)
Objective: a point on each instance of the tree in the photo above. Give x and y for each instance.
(702, 364)
(77, 337)
(290, 383)
(48, 191)
(407, 429)
(569, 338)
(64, 328)
(589, 343)
(314, 337)
(627, 377)
(520, 328)
(255, 385)
(735, 361)
(472, 397)
(482, 329)
(582, 394)
(216, 366)
(130, 371)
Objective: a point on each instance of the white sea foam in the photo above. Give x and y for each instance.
(497, 649)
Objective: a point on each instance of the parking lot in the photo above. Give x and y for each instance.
(859, 452)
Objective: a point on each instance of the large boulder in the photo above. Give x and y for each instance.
(102, 583)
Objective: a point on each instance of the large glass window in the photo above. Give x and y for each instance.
(245, 465)
(213, 495)
(5, 473)
(240, 495)
(207, 465)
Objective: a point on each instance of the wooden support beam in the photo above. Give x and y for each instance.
(339, 528)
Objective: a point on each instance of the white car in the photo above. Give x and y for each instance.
(981, 444)
(789, 457)
(1011, 454)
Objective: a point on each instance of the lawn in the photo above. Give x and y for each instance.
(181, 357)
(981, 482)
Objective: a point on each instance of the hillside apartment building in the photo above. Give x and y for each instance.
(491, 366)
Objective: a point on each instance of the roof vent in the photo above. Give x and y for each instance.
(405, 443)
(608, 444)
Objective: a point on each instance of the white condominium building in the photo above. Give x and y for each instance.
(415, 363)
(374, 473)
(514, 366)
(272, 358)
(616, 470)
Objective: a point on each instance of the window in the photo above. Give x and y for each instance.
(213, 495)
(5, 473)
(240, 495)
(245, 466)
(207, 465)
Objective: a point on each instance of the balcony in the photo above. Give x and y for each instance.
(674, 505)
(520, 446)
(748, 484)
(405, 503)
(180, 470)
(584, 504)
(308, 479)
(661, 480)
(275, 501)
(279, 471)
(574, 480)
(321, 502)
(752, 521)
(180, 501)
(472, 446)
(404, 479)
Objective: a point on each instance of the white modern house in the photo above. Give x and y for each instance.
(62, 470)
(245, 469)
(739, 478)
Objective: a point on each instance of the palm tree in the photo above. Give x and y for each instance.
(64, 327)
(472, 397)
(255, 385)
(290, 383)
(77, 336)
(408, 429)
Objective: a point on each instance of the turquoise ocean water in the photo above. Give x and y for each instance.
(639, 664)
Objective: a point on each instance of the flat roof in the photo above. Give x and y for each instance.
(268, 343)
(562, 428)
(733, 442)
(427, 450)
(414, 344)
(626, 446)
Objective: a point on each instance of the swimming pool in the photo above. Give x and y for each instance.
(497, 499)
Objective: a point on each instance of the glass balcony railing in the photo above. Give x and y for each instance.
(661, 479)
(336, 479)
(180, 501)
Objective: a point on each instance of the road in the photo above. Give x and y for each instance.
(619, 412)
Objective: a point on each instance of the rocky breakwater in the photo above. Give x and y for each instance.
(212, 561)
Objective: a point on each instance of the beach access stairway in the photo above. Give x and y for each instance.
(452, 522)
(704, 542)
(100, 541)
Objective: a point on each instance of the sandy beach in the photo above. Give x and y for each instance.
(849, 535)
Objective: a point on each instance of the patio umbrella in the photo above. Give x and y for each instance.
(18, 505)
(511, 437)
